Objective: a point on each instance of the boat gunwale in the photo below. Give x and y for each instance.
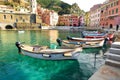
(48, 52)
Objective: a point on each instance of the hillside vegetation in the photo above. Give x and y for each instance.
(61, 7)
(57, 5)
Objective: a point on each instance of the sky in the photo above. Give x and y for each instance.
(84, 4)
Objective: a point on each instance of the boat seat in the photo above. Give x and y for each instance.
(67, 54)
(37, 49)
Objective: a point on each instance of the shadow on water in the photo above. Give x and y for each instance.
(71, 72)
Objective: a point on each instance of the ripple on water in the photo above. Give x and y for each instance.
(14, 66)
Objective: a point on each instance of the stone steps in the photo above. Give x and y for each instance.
(116, 45)
(112, 63)
(113, 55)
(114, 51)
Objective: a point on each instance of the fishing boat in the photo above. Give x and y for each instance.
(93, 35)
(84, 39)
(43, 52)
(83, 44)
(96, 34)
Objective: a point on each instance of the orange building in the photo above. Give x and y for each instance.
(110, 12)
(64, 20)
(68, 20)
(46, 17)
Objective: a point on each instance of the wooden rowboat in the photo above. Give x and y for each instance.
(84, 39)
(83, 44)
(90, 34)
(43, 52)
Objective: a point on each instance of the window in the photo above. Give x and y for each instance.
(111, 4)
(16, 20)
(11, 11)
(4, 16)
(117, 3)
(113, 11)
(109, 12)
(116, 10)
(23, 20)
(11, 17)
(102, 11)
(114, 3)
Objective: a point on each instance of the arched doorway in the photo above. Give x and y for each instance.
(74, 25)
(8, 27)
(111, 26)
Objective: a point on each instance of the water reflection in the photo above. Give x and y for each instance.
(16, 67)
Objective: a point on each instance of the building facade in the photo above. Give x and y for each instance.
(74, 20)
(95, 15)
(33, 6)
(64, 20)
(53, 18)
(9, 16)
(110, 13)
(87, 19)
(49, 17)
(81, 21)
(68, 20)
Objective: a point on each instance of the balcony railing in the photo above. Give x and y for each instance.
(113, 15)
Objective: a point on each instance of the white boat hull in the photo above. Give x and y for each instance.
(84, 45)
(46, 56)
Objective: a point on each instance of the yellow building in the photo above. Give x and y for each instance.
(87, 18)
(22, 17)
(21, 20)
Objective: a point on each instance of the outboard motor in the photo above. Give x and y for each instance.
(59, 41)
(82, 35)
(106, 40)
(18, 46)
(69, 38)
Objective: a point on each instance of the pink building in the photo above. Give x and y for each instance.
(95, 15)
(81, 21)
(46, 17)
(110, 14)
(74, 20)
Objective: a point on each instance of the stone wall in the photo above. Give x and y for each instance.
(27, 26)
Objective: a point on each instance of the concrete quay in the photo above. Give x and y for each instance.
(107, 72)
(111, 69)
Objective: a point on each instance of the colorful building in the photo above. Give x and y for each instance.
(68, 20)
(87, 19)
(53, 18)
(33, 6)
(8, 16)
(49, 17)
(110, 13)
(95, 15)
(81, 21)
(74, 20)
(64, 20)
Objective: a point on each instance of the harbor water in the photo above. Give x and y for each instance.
(14, 66)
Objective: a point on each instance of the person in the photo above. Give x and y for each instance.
(117, 27)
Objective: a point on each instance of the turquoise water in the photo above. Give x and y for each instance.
(14, 66)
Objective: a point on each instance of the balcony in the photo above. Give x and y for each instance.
(113, 15)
